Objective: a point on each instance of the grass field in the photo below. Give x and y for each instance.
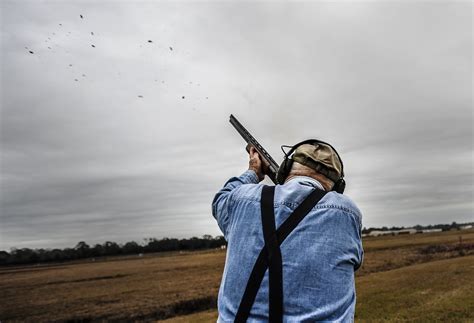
(427, 277)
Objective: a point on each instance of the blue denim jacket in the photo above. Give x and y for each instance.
(319, 256)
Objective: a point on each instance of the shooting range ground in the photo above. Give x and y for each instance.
(419, 277)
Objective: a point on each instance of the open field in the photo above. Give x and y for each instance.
(438, 291)
(418, 277)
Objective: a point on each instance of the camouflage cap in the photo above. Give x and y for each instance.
(320, 157)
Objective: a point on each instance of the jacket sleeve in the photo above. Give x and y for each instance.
(222, 203)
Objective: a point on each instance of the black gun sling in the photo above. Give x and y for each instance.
(270, 255)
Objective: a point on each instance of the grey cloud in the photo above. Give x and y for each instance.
(389, 84)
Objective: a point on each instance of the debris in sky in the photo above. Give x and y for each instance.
(26, 47)
(93, 45)
(163, 82)
(81, 16)
(150, 41)
(182, 97)
(49, 47)
(140, 96)
(76, 80)
(60, 24)
(207, 98)
(92, 33)
(83, 75)
(70, 64)
(171, 48)
(31, 52)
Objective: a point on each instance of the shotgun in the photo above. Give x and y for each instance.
(251, 141)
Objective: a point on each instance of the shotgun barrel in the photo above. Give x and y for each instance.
(272, 165)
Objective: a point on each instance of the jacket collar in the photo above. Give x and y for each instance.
(308, 181)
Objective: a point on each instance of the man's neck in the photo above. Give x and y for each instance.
(294, 175)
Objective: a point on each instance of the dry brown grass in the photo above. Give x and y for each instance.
(437, 291)
(141, 288)
(160, 286)
(414, 240)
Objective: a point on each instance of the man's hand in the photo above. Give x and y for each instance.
(256, 164)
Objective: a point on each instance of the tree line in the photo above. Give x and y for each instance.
(443, 227)
(82, 250)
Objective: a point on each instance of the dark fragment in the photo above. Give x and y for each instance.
(81, 16)
(92, 33)
(31, 52)
(93, 46)
(76, 80)
(70, 64)
(182, 97)
(171, 48)
(140, 96)
(150, 41)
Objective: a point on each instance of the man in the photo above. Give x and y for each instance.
(276, 273)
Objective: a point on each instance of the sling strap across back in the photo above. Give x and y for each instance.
(270, 255)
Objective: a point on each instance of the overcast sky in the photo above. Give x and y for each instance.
(108, 136)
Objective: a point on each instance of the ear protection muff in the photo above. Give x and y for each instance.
(285, 167)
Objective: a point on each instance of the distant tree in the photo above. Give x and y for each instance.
(98, 250)
(168, 244)
(164, 244)
(111, 248)
(24, 256)
(108, 248)
(57, 255)
(396, 228)
(4, 257)
(131, 248)
(218, 242)
(82, 250)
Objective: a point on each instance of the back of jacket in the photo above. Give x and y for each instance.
(319, 256)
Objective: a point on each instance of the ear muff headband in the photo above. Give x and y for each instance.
(285, 167)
